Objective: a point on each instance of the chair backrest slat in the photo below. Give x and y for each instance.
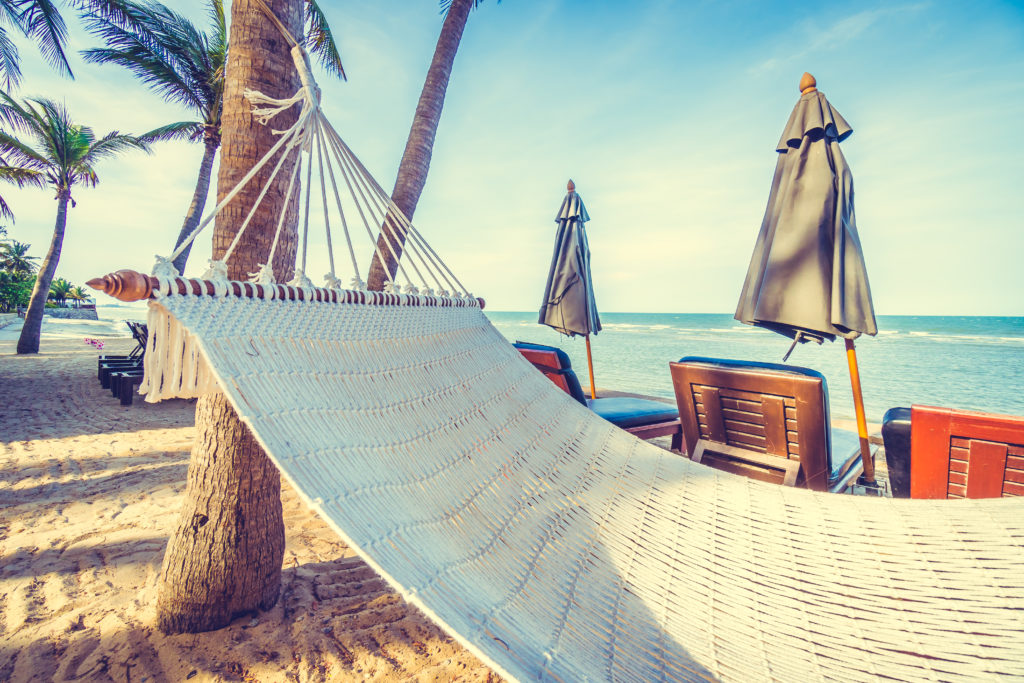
(964, 454)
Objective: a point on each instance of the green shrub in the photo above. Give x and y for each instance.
(15, 290)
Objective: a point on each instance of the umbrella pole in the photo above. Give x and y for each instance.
(862, 422)
(590, 367)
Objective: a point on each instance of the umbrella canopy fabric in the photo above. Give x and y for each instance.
(568, 304)
(807, 278)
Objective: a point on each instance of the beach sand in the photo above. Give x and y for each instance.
(90, 492)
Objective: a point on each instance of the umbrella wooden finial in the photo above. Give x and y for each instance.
(571, 186)
(807, 83)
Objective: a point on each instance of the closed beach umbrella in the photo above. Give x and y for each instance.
(807, 278)
(568, 304)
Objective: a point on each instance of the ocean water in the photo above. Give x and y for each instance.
(975, 363)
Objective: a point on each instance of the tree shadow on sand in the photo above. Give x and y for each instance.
(27, 563)
(335, 620)
(84, 490)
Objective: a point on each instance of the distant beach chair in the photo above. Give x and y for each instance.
(140, 333)
(764, 421)
(643, 418)
(122, 373)
(123, 383)
(945, 453)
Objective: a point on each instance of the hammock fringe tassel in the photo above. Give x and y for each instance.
(174, 367)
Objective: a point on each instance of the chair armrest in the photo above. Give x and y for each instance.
(754, 464)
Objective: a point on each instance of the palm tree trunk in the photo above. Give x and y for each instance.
(412, 173)
(211, 141)
(28, 341)
(225, 556)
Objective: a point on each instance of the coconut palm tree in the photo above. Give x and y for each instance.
(60, 291)
(38, 136)
(14, 258)
(79, 294)
(412, 173)
(230, 562)
(185, 65)
(40, 20)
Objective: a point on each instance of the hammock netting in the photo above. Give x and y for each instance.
(556, 546)
(550, 543)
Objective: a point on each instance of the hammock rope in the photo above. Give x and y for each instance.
(421, 269)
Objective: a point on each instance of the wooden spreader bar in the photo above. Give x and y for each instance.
(131, 285)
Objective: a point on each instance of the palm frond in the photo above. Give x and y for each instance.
(218, 20)
(19, 155)
(123, 13)
(13, 114)
(189, 131)
(5, 210)
(9, 15)
(21, 177)
(41, 21)
(112, 144)
(10, 69)
(320, 40)
(58, 137)
(447, 4)
(86, 175)
(150, 68)
(161, 48)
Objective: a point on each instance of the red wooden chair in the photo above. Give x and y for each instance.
(964, 454)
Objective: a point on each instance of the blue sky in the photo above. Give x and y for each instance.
(666, 114)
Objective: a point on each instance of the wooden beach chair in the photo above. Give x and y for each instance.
(643, 418)
(121, 374)
(953, 453)
(140, 332)
(765, 421)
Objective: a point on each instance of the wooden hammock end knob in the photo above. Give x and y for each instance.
(807, 83)
(571, 186)
(124, 285)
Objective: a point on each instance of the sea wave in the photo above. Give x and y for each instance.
(987, 340)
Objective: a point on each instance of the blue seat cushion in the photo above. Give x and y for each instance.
(845, 446)
(564, 368)
(626, 412)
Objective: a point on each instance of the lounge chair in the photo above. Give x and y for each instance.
(140, 332)
(765, 421)
(122, 373)
(643, 418)
(122, 384)
(944, 453)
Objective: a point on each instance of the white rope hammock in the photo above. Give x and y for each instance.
(556, 546)
(548, 542)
